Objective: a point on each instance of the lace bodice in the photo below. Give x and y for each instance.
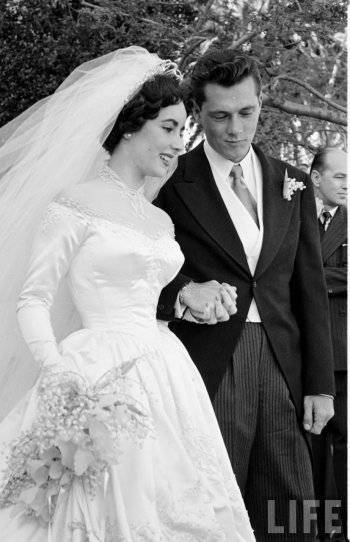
(116, 261)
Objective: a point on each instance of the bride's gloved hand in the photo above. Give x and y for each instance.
(46, 355)
(35, 325)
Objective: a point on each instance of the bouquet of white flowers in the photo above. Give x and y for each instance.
(79, 431)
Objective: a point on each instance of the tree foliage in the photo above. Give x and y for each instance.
(299, 45)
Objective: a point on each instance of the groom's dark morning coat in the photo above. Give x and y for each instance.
(288, 284)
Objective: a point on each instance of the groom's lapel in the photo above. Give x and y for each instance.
(201, 196)
(277, 211)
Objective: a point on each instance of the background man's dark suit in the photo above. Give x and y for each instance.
(288, 283)
(334, 254)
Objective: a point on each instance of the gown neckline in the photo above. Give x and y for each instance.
(110, 177)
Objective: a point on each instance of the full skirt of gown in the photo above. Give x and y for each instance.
(176, 486)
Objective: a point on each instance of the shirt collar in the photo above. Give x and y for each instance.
(223, 165)
(320, 208)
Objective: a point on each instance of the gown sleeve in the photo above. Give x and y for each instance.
(60, 235)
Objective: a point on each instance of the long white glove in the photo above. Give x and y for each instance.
(55, 245)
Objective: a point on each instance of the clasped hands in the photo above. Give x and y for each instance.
(209, 302)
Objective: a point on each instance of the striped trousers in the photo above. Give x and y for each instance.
(268, 451)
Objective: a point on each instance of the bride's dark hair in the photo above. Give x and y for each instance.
(160, 91)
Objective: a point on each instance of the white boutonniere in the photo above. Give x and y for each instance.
(291, 185)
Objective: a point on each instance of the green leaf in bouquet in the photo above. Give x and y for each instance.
(121, 413)
(53, 488)
(102, 413)
(136, 410)
(28, 495)
(127, 366)
(82, 461)
(56, 470)
(33, 465)
(45, 514)
(107, 400)
(68, 450)
(41, 475)
(101, 437)
(66, 478)
(40, 501)
(17, 509)
(50, 454)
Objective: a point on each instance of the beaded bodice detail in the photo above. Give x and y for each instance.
(116, 258)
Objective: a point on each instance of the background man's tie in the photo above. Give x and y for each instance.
(243, 193)
(327, 217)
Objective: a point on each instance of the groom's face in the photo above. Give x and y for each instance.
(229, 117)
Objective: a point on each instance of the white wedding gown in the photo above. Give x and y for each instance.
(177, 485)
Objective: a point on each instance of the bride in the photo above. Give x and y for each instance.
(114, 437)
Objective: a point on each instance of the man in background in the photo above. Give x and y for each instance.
(328, 174)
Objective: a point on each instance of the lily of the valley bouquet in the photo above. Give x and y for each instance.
(79, 431)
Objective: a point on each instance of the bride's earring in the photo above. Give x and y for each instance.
(127, 136)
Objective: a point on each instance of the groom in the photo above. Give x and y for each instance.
(241, 219)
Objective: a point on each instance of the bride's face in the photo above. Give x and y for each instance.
(159, 141)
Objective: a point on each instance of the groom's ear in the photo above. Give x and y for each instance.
(196, 112)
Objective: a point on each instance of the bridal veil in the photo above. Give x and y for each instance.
(53, 145)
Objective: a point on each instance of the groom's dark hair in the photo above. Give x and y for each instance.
(225, 67)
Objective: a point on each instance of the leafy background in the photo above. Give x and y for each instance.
(300, 47)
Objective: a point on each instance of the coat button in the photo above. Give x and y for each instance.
(161, 307)
(254, 284)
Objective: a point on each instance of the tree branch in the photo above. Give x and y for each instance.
(201, 20)
(296, 143)
(244, 39)
(304, 110)
(189, 51)
(203, 16)
(150, 21)
(312, 90)
(89, 5)
(96, 7)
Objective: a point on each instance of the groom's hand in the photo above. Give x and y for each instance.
(318, 410)
(210, 302)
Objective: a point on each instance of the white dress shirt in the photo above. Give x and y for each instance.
(249, 233)
(320, 209)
